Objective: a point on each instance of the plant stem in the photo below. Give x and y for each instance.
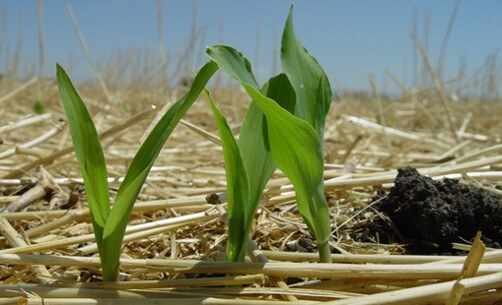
(320, 213)
(110, 272)
(324, 252)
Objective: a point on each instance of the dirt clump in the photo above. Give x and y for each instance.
(304, 245)
(430, 215)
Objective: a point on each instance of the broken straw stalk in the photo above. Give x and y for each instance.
(336, 271)
(388, 272)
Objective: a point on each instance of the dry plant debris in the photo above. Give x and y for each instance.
(175, 239)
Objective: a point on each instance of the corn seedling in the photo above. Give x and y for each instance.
(283, 127)
(295, 105)
(248, 163)
(110, 222)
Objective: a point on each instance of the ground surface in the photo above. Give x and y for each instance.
(431, 215)
(178, 231)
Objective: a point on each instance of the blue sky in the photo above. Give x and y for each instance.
(351, 39)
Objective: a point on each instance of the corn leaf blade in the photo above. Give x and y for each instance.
(250, 157)
(309, 80)
(140, 167)
(295, 150)
(255, 151)
(88, 152)
(238, 188)
(253, 139)
(295, 147)
(279, 89)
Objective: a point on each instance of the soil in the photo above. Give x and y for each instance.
(430, 215)
(304, 244)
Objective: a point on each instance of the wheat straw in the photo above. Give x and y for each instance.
(427, 293)
(17, 90)
(363, 271)
(159, 301)
(25, 122)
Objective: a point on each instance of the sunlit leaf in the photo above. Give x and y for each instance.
(88, 152)
(237, 188)
(253, 139)
(313, 92)
(295, 147)
(296, 150)
(248, 165)
(140, 167)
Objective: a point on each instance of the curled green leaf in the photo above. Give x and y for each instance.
(296, 147)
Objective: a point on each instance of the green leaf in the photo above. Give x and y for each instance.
(38, 107)
(248, 165)
(253, 139)
(255, 151)
(232, 62)
(313, 92)
(296, 150)
(238, 189)
(140, 167)
(295, 147)
(280, 89)
(88, 151)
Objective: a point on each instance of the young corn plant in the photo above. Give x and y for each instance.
(248, 162)
(294, 105)
(109, 222)
(283, 127)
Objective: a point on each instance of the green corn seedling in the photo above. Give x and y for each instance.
(295, 138)
(110, 222)
(248, 163)
(283, 127)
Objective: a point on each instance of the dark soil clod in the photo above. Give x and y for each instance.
(304, 244)
(431, 215)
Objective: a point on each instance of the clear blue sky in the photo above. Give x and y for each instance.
(351, 39)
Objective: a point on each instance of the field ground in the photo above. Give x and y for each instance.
(174, 247)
